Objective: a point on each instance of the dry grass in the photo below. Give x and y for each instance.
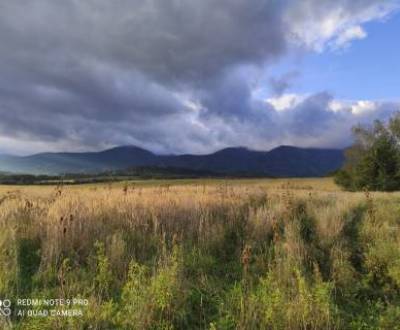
(223, 254)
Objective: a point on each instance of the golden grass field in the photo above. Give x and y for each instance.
(203, 254)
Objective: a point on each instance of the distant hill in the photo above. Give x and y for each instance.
(284, 161)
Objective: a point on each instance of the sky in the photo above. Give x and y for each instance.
(188, 76)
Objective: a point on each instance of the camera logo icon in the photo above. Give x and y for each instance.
(5, 307)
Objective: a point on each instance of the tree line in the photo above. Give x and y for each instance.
(373, 161)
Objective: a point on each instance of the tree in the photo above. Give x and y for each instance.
(373, 162)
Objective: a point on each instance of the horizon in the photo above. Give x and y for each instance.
(170, 154)
(194, 78)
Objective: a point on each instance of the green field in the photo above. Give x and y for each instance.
(202, 254)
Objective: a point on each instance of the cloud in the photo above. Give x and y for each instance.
(172, 76)
(321, 24)
(171, 40)
(285, 101)
(320, 120)
(281, 84)
(348, 35)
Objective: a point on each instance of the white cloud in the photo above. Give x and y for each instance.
(322, 24)
(363, 107)
(357, 108)
(347, 36)
(285, 101)
(337, 106)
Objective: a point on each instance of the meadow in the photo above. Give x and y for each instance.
(203, 254)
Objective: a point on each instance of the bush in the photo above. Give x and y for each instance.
(373, 162)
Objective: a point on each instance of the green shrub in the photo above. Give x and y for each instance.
(373, 162)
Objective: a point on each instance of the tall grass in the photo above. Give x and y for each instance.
(228, 255)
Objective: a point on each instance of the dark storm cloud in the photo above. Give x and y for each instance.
(73, 64)
(170, 40)
(168, 75)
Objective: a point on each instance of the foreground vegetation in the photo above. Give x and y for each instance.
(266, 254)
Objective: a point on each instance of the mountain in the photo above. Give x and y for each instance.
(89, 162)
(301, 162)
(230, 160)
(284, 161)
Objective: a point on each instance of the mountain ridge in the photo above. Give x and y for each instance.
(281, 161)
